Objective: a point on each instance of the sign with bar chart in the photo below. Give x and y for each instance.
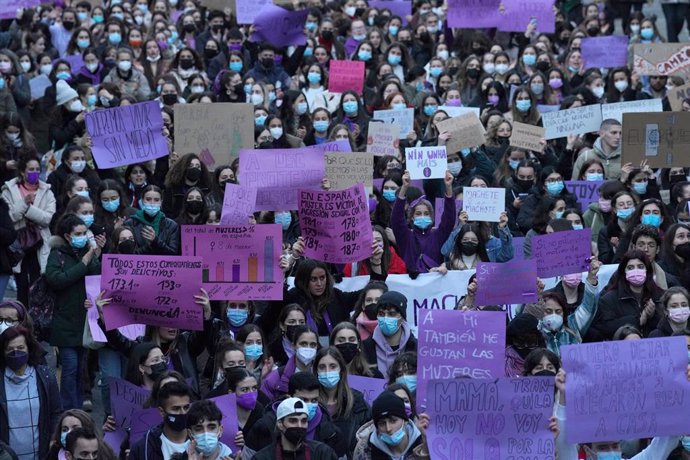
(239, 262)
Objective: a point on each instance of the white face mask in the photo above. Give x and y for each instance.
(598, 91)
(621, 85)
(306, 355)
(92, 67)
(257, 99)
(489, 67)
(552, 322)
(46, 69)
(76, 106)
(124, 65)
(26, 66)
(78, 166)
(276, 133)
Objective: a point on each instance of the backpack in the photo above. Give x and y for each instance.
(42, 304)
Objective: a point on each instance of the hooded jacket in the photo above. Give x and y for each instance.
(377, 350)
(371, 447)
(612, 162)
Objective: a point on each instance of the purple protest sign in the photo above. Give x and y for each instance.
(238, 204)
(518, 13)
(491, 419)
(492, 288)
(155, 290)
(8, 8)
(335, 225)
(454, 344)
(519, 248)
(346, 75)
(369, 387)
(76, 61)
(125, 135)
(438, 210)
(126, 399)
(93, 288)
(142, 421)
(279, 26)
(239, 263)
(585, 191)
(606, 52)
(340, 145)
(402, 8)
(626, 389)
(474, 14)
(248, 9)
(277, 175)
(561, 253)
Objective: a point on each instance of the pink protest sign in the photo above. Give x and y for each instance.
(125, 135)
(493, 290)
(152, 290)
(346, 75)
(239, 263)
(561, 253)
(335, 225)
(474, 14)
(93, 288)
(238, 204)
(369, 387)
(606, 52)
(491, 419)
(518, 13)
(626, 389)
(279, 26)
(277, 174)
(454, 344)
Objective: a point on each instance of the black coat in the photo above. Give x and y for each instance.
(166, 243)
(7, 237)
(361, 413)
(317, 451)
(149, 447)
(526, 214)
(619, 307)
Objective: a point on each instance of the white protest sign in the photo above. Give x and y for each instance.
(426, 162)
(617, 109)
(484, 203)
(402, 117)
(457, 111)
(580, 120)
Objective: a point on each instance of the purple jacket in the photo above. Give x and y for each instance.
(275, 385)
(413, 243)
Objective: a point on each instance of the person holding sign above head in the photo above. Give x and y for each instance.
(154, 233)
(642, 181)
(384, 260)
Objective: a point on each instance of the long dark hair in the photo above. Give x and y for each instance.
(302, 276)
(648, 287)
(456, 252)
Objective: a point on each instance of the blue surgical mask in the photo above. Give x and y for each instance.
(2, 83)
(393, 439)
(624, 213)
(301, 108)
(308, 52)
(559, 214)
(360, 38)
(429, 110)
(364, 55)
(523, 105)
(393, 30)
(651, 219)
(594, 176)
(609, 456)
(389, 195)
(538, 88)
(647, 33)
(151, 209)
(91, 100)
(63, 438)
(578, 227)
(350, 107)
(311, 26)
(237, 316)
(388, 326)
(271, 96)
(329, 380)
(394, 59)
(97, 19)
(79, 242)
(253, 352)
(115, 38)
(555, 188)
(84, 193)
(283, 218)
(63, 75)
(260, 120)
(529, 59)
(247, 89)
(514, 164)
(87, 219)
(111, 206)
(422, 222)
(236, 66)
(321, 126)
(435, 71)
(311, 407)
(686, 439)
(206, 442)
(83, 43)
(466, 152)
(314, 77)
(640, 187)
(399, 106)
(410, 381)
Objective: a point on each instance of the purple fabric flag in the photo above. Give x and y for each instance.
(493, 290)
(279, 26)
(518, 13)
(586, 191)
(491, 419)
(627, 389)
(561, 253)
(454, 344)
(474, 14)
(606, 52)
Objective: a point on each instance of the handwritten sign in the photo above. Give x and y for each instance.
(617, 109)
(527, 136)
(561, 253)
(466, 131)
(426, 162)
(125, 135)
(663, 59)
(277, 174)
(335, 225)
(340, 145)
(239, 263)
(152, 290)
(491, 419)
(454, 111)
(585, 191)
(675, 96)
(659, 138)
(484, 203)
(126, 399)
(474, 14)
(279, 26)
(247, 10)
(541, 108)
(344, 170)
(438, 209)
(383, 139)
(492, 288)
(8, 8)
(346, 75)
(605, 52)
(216, 132)
(454, 344)
(404, 118)
(369, 387)
(628, 389)
(93, 288)
(238, 204)
(518, 13)
(580, 120)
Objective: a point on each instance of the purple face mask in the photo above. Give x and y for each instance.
(235, 47)
(493, 99)
(32, 177)
(248, 400)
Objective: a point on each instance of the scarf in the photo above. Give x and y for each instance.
(144, 219)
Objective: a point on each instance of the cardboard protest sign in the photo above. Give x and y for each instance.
(277, 174)
(626, 389)
(216, 132)
(279, 26)
(8, 8)
(617, 109)
(383, 139)
(659, 138)
(491, 419)
(605, 52)
(492, 288)
(527, 136)
(454, 111)
(518, 13)
(369, 387)
(404, 118)
(152, 290)
(454, 344)
(346, 75)
(344, 170)
(663, 59)
(239, 263)
(585, 191)
(561, 253)
(580, 120)
(675, 96)
(238, 204)
(426, 162)
(474, 14)
(335, 225)
(465, 130)
(484, 203)
(125, 135)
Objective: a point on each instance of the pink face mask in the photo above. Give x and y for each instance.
(636, 277)
(573, 280)
(605, 205)
(679, 315)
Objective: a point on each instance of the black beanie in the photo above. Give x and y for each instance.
(388, 404)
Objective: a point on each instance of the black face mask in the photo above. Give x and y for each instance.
(157, 370)
(176, 422)
(469, 249)
(126, 247)
(169, 99)
(295, 434)
(217, 28)
(195, 207)
(348, 350)
(267, 63)
(189, 28)
(592, 31)
(524, 185)
(473, 73)
(370, 311)
(407, 43)
(544, 373)
(327, 35)
(425, 37)
(543, 66)
(210, 53)
(524, 351)
(290, 332)
(675, 178)
(193, 174)
(186, 63)
(503, 140)
(453, 70)
(683, 250)
(68, 25)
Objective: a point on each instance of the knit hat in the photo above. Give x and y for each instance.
(388, 404)
(292, 406)
(64, 92)
(393, 299)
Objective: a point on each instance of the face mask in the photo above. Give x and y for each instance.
(257, 99)
(295, 434)
(501, 69)
(399, 106)
(126, 247)
(348, 350)
(237, 316)
(493, 99)
(253, 352)
(63, 438)
(186, 64)
(635, 28)
(489, 67)
(194, 206)
(301, 108)
(63, 76)
(306, 355)
(196, 89)
(329, 380)
(429, 110)
(46, 69)
(315, 77)
(469, 249)
(453, 102)
(248, 400)
(151, 209)
(83, 43)
(26, 66)
(679, 315)
(79, 242)
(455, 168)
(572, 280)
(359, 38)
(97, 19)
(604, 205)
(555, 83)
(260, 120)
(32, 177)
(543, 66)
(193, 174)
(686, 443)
(115, 38)
(624, 213)
(647, 33)
(393, 30)
(364, 55)
(621, 85)
(120, 16)
(394, 439)
(311, 407)
(169, 99)
(529, 59)
(578, 227)
(523, 105)
(394, 59)
(350, 107)
(609, 455)
(83, 193)
(598, 91)
(157, 370)
(435, 71)
(410, 381)
(87, 219)
(276, 133)
(76, 106)
(537, 88)
(321, 126)
(636, 277)
(176, 422)
(16, 359)
(640, 187)
(422, 222)
(389, 195)
(388, 326)
(555, 188)
(552, 322)
(594, 176)
(651, 219)
(78, 166)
